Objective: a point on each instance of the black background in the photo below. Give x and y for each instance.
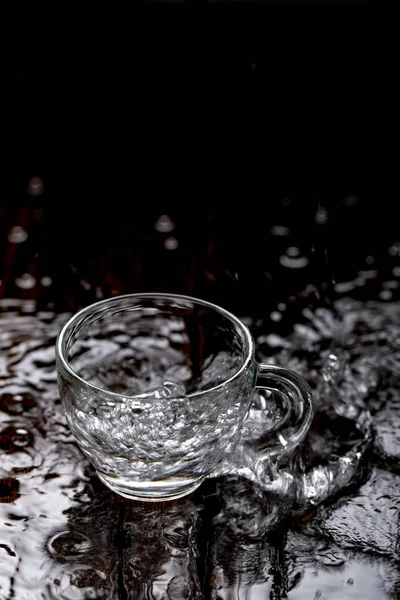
(211, 117)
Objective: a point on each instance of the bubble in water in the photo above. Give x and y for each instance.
(17, 235)
(169, 389)
(25, 281)
(164, 224)
(171, 243)
(35, 186)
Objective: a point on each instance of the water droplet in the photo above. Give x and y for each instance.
(26, 281)
(68, 544)
(15, 404)
(29, 306)
(385, 295)
(321, 216)
(293, 251)
(281, 306)
(286, 201)
(248, 321)
(280, 230)
(394, 249)
(13, 439)
(86, 286)
(344, 286)
(275, 316)
(350, 581)
(369, 260)
(164, 224)
(396, 271)
(17, 235)
(391, 285)
(46, 281)
(368, 274)
(330, 559)
(293, 262)
(350, 200)
(171, 243)
(35, 186)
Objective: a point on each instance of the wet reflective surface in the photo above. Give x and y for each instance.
(330, 530)
(323, 525)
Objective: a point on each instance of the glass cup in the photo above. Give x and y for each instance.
(156, 389)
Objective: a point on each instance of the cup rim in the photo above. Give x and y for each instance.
(63, 364)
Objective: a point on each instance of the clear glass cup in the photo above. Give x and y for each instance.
(156, 389)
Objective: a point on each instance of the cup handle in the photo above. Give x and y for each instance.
(286, 412)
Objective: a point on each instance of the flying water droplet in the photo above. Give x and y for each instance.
(17, 235)
(385, 295)
(280, 230)
(46, 281)
(394, 249)
(164, 224)
(350, 200)
(275, 316)
(35, 186)
(171, 243)
(293, 251)
(321, 216)
(291, 262)
(25, 281)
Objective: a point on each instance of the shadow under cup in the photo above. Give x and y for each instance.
(155, 389)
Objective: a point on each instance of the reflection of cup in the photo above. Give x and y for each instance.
(156, 389)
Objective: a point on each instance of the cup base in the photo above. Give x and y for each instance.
(151, 491)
